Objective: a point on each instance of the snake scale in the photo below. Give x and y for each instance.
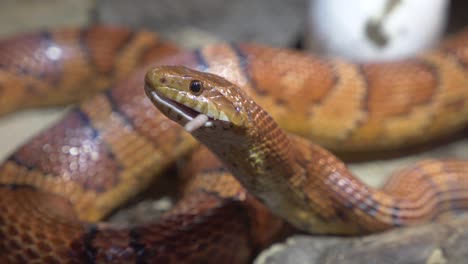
(54, 188)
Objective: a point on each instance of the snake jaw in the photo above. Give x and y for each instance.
(190, 117)
(166, 105)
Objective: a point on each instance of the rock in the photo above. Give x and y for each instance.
(434, 243)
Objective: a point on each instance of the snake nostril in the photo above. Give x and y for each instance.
(163, 80)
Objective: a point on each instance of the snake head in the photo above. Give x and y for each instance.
(195, 99)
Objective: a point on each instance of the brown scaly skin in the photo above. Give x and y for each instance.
(105, 150)
(340, 105)
(213, 176)
(296, 179)
(111, 145)
(79, 61)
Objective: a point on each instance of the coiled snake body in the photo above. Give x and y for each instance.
(110, 146)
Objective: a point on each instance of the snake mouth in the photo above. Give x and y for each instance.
(180, 112)
(185, 111)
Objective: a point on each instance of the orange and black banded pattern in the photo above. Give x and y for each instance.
(113, 143)
(102, 152)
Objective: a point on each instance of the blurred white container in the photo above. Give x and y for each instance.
(374, 30)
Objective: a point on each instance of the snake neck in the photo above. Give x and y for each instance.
(256, 154)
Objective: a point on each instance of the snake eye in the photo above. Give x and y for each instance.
(196, 87)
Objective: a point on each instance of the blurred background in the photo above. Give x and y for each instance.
(270, 21)
(274, 22)
(199, 22)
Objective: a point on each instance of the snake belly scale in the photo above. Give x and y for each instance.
(111, 144)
